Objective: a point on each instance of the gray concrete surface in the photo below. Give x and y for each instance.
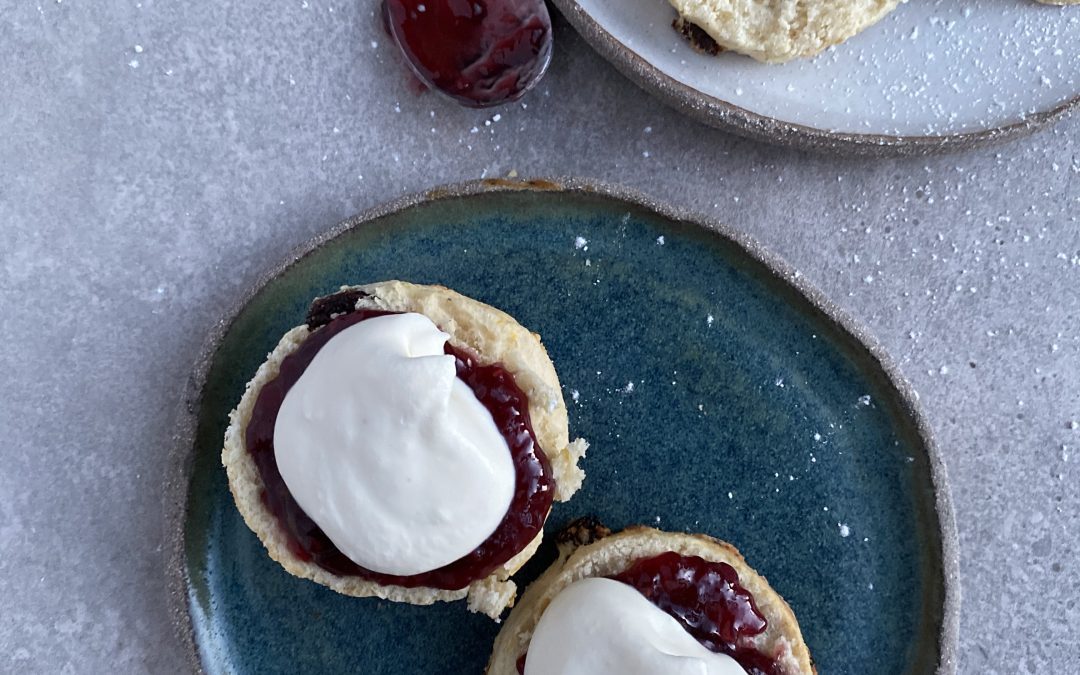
(156, 156)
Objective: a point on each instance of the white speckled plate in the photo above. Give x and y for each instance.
(930, 76)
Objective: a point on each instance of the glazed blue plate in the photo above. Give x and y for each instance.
(718, 393)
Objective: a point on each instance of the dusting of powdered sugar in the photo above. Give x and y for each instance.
(936, 67)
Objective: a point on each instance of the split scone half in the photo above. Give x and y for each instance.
(775, 31)
(647, 601)
(405, 442)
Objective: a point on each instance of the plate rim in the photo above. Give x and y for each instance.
(720, 114)
(180, 462)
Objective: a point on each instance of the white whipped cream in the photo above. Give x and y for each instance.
(389, 452)
(598, 626)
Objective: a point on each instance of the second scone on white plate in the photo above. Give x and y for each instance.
(775, 31)
(406, 442)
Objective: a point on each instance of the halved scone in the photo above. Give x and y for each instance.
(775, 31)
(732, 620)
(365, 451)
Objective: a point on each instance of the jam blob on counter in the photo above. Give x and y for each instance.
(494, 387)
(479, 52)
(707, 600)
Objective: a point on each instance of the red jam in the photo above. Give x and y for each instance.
(494, 387)
(707, 600)
(479, 52)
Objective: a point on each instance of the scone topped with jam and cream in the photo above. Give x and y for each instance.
(406, 442)
(644, 601)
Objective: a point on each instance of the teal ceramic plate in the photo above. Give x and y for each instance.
(720, 395)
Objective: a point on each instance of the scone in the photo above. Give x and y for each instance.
(775, 31)
(646, 601)
(406, 442)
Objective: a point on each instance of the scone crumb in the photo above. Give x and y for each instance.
(570, 474)
(490, 596)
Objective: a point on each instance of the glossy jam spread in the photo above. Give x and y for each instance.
(707, 600)
(478, 52)
(494, 388)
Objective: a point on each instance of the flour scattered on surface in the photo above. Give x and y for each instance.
(709, 320)
(779, 382)
(138, 49)
(864, 400)
(628, 389)
(581, 243)
(575, 395)
(845, 531)
(660, 240)
(133, 63)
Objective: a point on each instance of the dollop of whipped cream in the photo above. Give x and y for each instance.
(600, 625)
(389, 452)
